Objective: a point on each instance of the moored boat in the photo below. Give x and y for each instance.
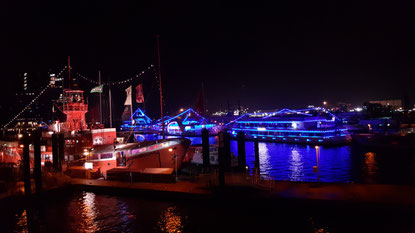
(307, 126)
(137, 156)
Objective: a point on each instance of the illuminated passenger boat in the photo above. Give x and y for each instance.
(138, 156)
(310, 126)
(138, 122)
(188, 122)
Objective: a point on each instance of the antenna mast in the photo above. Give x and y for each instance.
(100, 98)
(161, 90)
(69, 71)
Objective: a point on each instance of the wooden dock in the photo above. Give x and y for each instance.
(206, 185)
(243, 186)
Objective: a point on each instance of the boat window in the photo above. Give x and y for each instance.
(153, 147)
(106, 156)
(139, 150)
(95, 156)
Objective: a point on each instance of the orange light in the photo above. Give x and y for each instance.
(316, 147)
(170, 149)
(21, 145)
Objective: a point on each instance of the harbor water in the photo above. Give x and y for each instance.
(343, 164)
(82, 211)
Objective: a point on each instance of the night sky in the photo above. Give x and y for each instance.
(264, 56)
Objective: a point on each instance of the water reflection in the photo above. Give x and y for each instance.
(294, 162)
(21, 225)
(264, 158)
(296, 165)
(370, 167)
(317, 227)
(170, 221)
(88, 213)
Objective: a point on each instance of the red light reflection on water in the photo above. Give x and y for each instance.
(170, 221)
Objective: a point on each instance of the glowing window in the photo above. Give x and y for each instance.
(106, 156)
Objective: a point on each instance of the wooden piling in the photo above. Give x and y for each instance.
(61, 157)
(221, 154)
(256, 156)
(205, 148)
(227, 148)
(55, 150)
(26, 165)
(37, 159)
(241, 150)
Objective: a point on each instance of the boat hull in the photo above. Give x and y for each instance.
(163, 158)
(336, 140)
(168, 153)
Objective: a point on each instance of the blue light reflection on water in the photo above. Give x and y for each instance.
(293, 162)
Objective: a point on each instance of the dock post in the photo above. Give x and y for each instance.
(241, 150)
(256, 156)
(227, 147)
(61, 157)
(38, 164)
(55, 150)
(205, 148)
(221, 154)
(26, 165)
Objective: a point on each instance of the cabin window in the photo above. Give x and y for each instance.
(106, 156)
(95, 156)
(153, 147)
(136, 151)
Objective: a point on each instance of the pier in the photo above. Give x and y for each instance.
(206, 186)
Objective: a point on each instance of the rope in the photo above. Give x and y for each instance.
(27, 106)
(117, 82)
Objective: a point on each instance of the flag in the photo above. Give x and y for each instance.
(128, 99)
(98, 89)
(139, 98)
(126, 114)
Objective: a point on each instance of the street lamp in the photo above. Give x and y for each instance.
(316, 169)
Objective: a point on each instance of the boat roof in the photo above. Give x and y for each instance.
(128, 146)
(287, 115)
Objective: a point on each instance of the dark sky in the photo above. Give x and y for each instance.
(264, 56)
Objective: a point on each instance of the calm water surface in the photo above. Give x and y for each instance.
(92, 212)
(294, 162)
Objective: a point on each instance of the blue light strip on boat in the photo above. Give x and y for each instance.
(288, 121)
(294, 131)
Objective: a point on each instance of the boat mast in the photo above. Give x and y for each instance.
(109, 90)
(161, 90)
(69, 71)
(100, 98)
